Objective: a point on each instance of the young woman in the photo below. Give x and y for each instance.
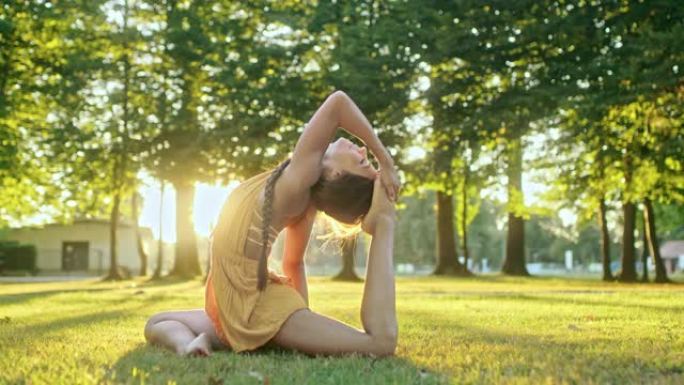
(246, 306)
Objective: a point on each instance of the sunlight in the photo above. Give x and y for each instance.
(208, 202)
(533, 192)
(567, 217)
(415, 153)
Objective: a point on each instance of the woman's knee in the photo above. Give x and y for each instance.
(155, 319)
(195, 320)
(149, 325)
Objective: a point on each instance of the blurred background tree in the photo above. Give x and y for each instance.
(522, 129)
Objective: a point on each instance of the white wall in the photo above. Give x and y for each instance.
(48, 241)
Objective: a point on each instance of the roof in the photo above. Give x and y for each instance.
(672, 249)
(145, 231)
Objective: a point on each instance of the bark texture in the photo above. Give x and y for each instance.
(186, 258)
(348, 252)
(514, 262)
(653, 245)
(605, 242)
(447, 257)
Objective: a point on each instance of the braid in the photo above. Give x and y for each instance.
(266, 214)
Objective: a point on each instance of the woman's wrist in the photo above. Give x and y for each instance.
(385, 221)
(384, 158)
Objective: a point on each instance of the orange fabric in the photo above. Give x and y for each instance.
(244, 316)
(212, 311)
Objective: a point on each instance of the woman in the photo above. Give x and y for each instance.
(246, 306)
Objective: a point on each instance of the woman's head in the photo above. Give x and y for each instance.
(345, 188)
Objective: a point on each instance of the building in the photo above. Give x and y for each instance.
(83, 246)
(672, 253)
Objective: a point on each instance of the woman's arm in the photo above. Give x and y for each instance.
(296, 240)
(338, 110)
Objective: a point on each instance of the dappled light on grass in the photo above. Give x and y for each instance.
(471, 331)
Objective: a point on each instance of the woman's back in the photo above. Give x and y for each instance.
(240, 225)
(238, 229)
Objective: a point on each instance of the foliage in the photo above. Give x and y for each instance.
(91, 93)
(416, 229)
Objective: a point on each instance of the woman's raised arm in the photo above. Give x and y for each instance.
(338, 110)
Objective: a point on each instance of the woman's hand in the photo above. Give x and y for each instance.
(390, 181)
(381, 209)
(282, 279)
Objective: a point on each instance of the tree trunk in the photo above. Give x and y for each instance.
(644, 252)
(605, 242)
(348, 251)
(628, 272)
(138, 237)
(186, 259)
(514, 262)
(160, 244)
(447, 257)
(464, 218)
(114, 273)
(6, 52)
(654, 247)
(118, 175)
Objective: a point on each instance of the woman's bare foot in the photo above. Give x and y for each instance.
(199, 347)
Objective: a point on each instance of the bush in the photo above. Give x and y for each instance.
(14, 256)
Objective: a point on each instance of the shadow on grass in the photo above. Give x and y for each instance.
(154, 365)
(567, 281)
(136, 285)
(168, 280)
(507, 355)
(555, 297)
(620, 303)
(18, 298)
(36, 330)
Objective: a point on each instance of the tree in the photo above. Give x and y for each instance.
(447, 255)
(42, 74)
(160, 244)
(415, 233)
(355, 39)
(348, 253)
(142, 253)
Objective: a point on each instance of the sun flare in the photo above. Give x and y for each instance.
(209, 199)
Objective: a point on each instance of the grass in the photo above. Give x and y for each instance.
(467, 331)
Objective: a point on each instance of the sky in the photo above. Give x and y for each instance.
(208, 202)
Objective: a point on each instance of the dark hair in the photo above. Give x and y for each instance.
(266, 213)
(347, 199)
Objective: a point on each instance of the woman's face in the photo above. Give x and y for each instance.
(343, 156)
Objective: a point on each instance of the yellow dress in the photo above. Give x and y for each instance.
(244, 317)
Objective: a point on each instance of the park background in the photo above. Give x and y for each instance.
(538, 137)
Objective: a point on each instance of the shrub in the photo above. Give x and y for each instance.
(15, 256)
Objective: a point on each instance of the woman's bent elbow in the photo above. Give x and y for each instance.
(385, 344)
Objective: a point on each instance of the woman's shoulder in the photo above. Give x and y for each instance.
(254, 181)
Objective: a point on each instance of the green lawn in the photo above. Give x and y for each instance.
(465, 331)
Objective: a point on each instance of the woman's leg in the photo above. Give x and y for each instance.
(184, 332)
(313, 333)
